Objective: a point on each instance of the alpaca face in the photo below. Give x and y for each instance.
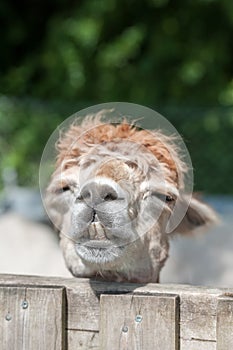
(110, 208)
(112, 201)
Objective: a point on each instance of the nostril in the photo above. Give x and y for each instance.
(83, 195)
(79, 197)
(110, 197)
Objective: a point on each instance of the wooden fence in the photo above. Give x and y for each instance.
(74, 314)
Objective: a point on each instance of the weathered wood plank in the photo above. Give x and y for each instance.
(31, 318)
(225, 323)
(198, 316)
(139, 322)
(82, 308)
(82, 340)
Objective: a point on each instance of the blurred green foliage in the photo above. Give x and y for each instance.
(208, 134)
(60, 56)
(150, 52)
(25, 126)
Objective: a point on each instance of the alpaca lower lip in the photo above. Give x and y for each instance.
(98, 252)
(97, 244)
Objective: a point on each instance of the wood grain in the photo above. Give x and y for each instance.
(82, 340)
(225, 323)
(31, 318)
(131, 322)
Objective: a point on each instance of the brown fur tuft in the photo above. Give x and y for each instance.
(79, 139)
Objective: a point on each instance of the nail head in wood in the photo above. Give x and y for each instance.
(138, 318)
(25, 304)
(125, 329)
(8, 317)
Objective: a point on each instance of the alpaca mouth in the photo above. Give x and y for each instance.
(98, 248)
(95, 237)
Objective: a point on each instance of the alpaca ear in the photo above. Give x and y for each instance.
(198, 216)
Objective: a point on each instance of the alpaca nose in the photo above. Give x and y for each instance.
(96, 192)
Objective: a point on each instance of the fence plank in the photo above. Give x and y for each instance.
(31, 318)
(225, 323)
(139, 322)
(82, 340)
(198, 318)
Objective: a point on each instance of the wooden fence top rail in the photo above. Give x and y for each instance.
(100, 286)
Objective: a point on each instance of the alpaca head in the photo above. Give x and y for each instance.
(116, 196)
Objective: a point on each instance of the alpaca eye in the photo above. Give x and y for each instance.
(60, 190)
(169, 199)
(163, 197)
(65, 188)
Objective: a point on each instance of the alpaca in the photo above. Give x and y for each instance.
(117, 196)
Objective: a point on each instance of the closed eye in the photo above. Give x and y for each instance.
(163, 197)
(60, 190)
(65, 188)
(169, 198)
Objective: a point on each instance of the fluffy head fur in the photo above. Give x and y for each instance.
(112, 195)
